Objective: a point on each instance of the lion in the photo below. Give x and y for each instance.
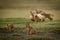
(47, 15)
(32, 16)
(10, 27)
(40, 17)
(30, 29)
(37, 17)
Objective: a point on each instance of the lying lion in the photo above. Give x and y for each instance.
(36, 17)
(49, 16)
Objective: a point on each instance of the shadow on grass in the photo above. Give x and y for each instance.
(40, 38)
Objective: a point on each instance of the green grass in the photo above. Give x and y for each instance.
(19, 27)
(41, 38)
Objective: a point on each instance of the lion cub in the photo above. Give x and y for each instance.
(10, 27)
(30, 29)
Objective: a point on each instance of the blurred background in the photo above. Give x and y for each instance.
(21, 8)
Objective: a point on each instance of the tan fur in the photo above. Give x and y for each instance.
(10, 27)
(38, 10)
(30, 30)
(49, 16)
(40, 17)
(35, 17)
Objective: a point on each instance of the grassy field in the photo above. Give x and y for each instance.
(25, 13)
(48, 30)
(18, 12)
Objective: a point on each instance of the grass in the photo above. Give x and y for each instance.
(19, 33)
(41, 38)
